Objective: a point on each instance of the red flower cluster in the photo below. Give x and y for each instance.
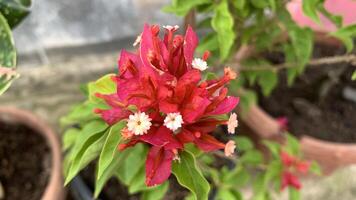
(173, 105)
(292, 165)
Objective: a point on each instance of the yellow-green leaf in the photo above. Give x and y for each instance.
(190, 177)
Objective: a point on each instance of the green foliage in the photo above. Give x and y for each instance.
(7, 46)
(310, 9)
(11, 14)
(228, 25)
(252, 157)
(189, 176)
(294, 194)
(89, 136)
(243, 143)
(182, 7)
(104, 85)
(223, 24)
(109, 148)
(248, 98)
(346, 35)
(14, 10)
(353, 77)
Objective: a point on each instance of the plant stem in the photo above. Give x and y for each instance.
(348, 58)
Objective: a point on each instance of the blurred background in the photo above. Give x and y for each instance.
(88, 25)
(62, 44)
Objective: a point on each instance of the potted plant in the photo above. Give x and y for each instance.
(152, 126)
(261, 40)
(30, 152)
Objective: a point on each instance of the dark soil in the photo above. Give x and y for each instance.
(114, 190)
(316, 104)
(24, 162)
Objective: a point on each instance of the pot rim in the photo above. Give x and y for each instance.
(54, 188)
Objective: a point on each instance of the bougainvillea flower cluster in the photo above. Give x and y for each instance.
(291, 166)
(165, 101)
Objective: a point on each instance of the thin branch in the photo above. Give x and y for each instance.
(348, 58)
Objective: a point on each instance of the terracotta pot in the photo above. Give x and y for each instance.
(330, 155)
(54, 188)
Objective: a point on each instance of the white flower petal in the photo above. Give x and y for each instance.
(232, 123)
(199, 64)
(173, 121)
(139, 123)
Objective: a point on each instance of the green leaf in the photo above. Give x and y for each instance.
(90, 134)
(238, 177)
(268, 37)
(252, 157)
(259, 3)
(302, 42)
(80, 114)
(239, 4)
(190, 177)
(336, 19)
(273, 172)
(291, 59)
(299, 52)
(310, 9)
(138, 181)
(111, 170)
(69, 137)
(209, 42)
(110, 147)
(273, 5)
(115, 168)
(193, 149)
(243, 143)
(226, 194)
(273, 147)
(315, 168)
(353, 77)
(267, 80)
(14, 10)
(7, 47)
(223, 24)
(205, 23)
(292, 144)
(248, 98)
(156, 193)
(104, 85)
(346, 35)
(6, 78)
(294, 194)
(127, 171)
(182, 7)
(259, 188)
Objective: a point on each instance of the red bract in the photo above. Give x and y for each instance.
(168, 93)
(292, 165)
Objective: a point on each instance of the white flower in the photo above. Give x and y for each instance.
(230, 148)
(139, 123)
(199, 64)
(170, 28)
(232, 123)
(173, 121)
